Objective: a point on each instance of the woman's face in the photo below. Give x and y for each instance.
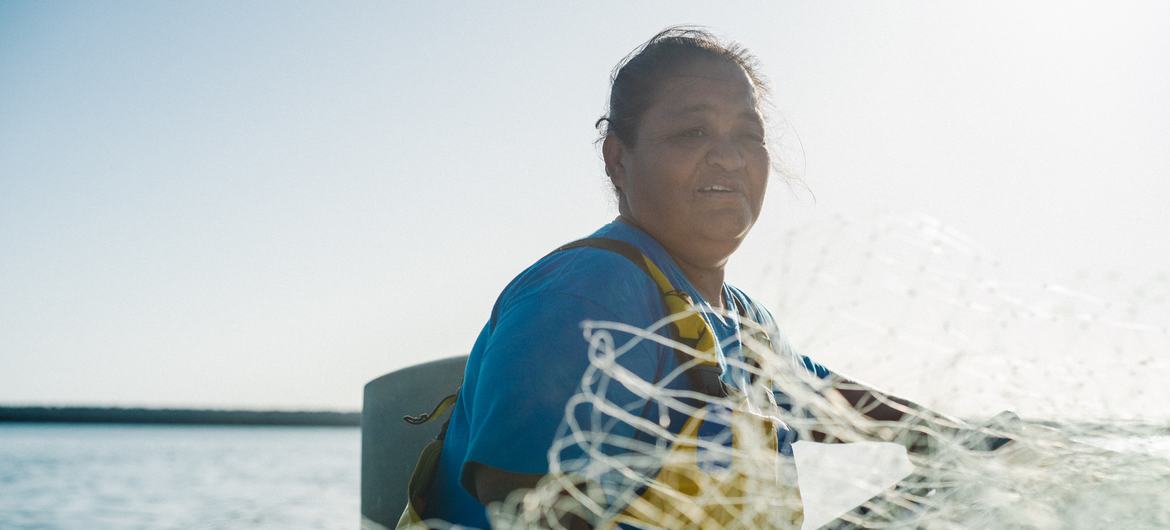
(696, 176)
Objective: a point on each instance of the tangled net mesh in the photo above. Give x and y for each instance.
(912, 304)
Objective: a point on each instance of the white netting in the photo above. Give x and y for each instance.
(901, 298)
(907, 302)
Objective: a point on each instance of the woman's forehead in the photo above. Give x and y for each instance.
(707, 88)
(713, 69)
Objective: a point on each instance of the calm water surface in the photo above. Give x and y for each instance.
(164, 477)
(73, 476)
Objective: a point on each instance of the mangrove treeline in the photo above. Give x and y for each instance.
(177, 416)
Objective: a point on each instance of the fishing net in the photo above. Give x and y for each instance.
(912, 304)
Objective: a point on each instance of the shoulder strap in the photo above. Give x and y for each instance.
(616, 246)
(691, 330)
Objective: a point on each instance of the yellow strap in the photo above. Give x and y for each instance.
(440, 409)
(420, 482)
(693, 327)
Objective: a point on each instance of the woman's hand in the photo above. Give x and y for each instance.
(882, 407)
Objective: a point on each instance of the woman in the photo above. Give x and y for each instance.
(685, 148)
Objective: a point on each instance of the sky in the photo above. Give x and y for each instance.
(267, 204)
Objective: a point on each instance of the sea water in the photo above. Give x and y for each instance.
(77, 476)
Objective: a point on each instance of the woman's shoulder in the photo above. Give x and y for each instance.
(593, 275)
(752, 309)
(760, 314)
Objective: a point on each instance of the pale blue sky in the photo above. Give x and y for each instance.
(269, 203)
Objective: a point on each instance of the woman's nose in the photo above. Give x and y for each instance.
(725, 155)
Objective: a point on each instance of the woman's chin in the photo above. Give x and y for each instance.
(731, 227)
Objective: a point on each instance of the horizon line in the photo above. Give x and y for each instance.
(177, 416)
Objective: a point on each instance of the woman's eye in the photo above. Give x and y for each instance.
(753, 137)
(693, 133)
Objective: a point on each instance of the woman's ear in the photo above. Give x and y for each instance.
(612, 151)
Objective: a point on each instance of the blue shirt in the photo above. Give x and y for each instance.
(530, 357)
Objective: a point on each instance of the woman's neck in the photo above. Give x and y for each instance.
(707, 279)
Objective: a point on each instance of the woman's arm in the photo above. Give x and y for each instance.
(918, 423)
(495, 485)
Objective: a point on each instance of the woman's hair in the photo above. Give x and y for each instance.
(634, 82)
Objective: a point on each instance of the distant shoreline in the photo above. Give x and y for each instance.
(177, 416)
